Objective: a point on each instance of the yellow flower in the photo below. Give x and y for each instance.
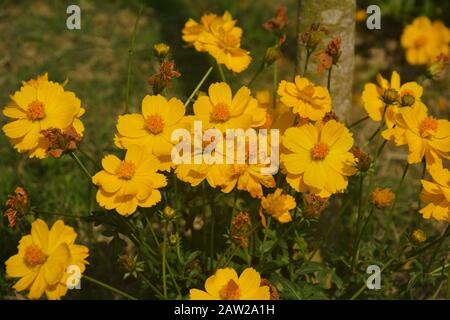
(436, 195)
(220, 37)
(418, 236)
(278, 117)
(220, 110)
(226, 285)
(382, 197)
(317, 157)
(306, 99)
(246, 177)
(153, 127)
(125, 185)
(390, 95)
(424, 40)
(43, 258)
(360, 15)
(279, 205)
(40, 104)
(424, 135)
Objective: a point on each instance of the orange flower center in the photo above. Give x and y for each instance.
(126, 170)
(220, 112)
(36, 110)
(230, 291)
(34, 256)
(420, 41)
(428, 126)
(319, 151)
(155, 124)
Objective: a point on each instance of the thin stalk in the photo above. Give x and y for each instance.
(257, 73)
(361, 233)
(448, 284)
(393, 226)
(424, 170)
(275, 84)
(107, 286)
(436, 250)
(59, 214)
(381, 125)
(164, 261)
(150, 284)
(329, 79)
(305, 68)
(130, 59)
(222, 74)
(199, 85)
(81, 165)
(266, 231)
(172, 276)
(358, 219)
(358, 122)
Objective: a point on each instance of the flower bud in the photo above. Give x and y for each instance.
(364, 160)
(169, 212)
(418, 236)
(272, 54)
(161, 50)
(390, 96)
(407, 100)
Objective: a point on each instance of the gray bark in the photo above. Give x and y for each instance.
(338, 16)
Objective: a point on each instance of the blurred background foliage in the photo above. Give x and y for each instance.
(34, 39)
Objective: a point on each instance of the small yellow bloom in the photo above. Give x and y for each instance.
(318, 158)
(226, 285)
(305, 99)
(424, 40)
(390, 95)
(161, 50)
(279, 117)
(153, 127)
(43, 258)
(424, 135)
(382, 197)
(436, 195)
(278, 205)
(220, 37)
(40, 104)
(125, 185)
(221, 110)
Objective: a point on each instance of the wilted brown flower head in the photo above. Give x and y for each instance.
(313, 36)
(274, 295)
(17, 206)
(279, 21)
(240, 229)
(313, 205)
(61, 142)
(330, 56)
(334, 49)
(324, 61)
(159, 81)
(127, 262)
(364, 160)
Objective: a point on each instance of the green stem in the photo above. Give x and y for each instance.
(358, 122)
(329, 79)
(107, 286)
(257, 73)
(151, 285)
(81, 165)
(222, 74)
(58, 214)
(436, 250)
(275, 84)
(164, 261)
(448, 284)
(305, 68)
(199, 85)
(266, 231)
(381, 125)
(360, 235)
(424, 170)
(172, 276)
(393, 226)
(358, 220)
(130, 59)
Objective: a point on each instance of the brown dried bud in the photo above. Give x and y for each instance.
(313, 205)
(274, 295)
(60, 142)
(163, 78)
(127, 262)
(279, 21)
(364, 160)
(16, 206)
(334, 49)
(240, 229)
(313, 37)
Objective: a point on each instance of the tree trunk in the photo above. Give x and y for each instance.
(338, 16)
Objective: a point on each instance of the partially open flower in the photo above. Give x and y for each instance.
(161, 50)
(436, 69)
(382, 197)
(169, 212)
(130, 265)
(17, 206)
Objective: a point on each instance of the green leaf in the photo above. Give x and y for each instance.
(288, 289)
